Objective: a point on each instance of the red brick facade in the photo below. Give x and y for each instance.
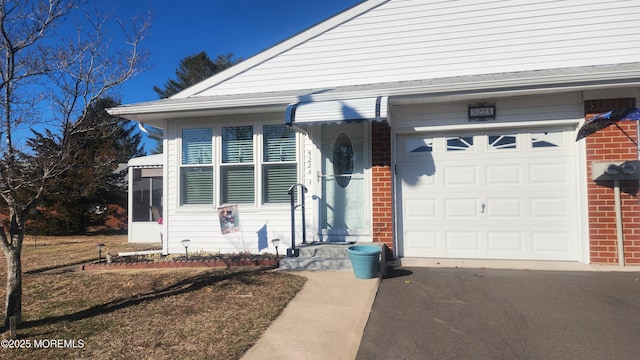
(612, 144)
(382, 190)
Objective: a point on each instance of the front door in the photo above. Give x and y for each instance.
(344, 214)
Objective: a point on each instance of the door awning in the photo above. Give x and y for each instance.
(337, 111)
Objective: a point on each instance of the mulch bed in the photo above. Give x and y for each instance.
(135, 262)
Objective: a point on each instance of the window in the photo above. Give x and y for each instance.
(460, 143)
(196, 172)
(252, 164)
(418, 145)
(279, 163)
(343, 160)
(502, 142)
(237, 169)
(547, 139)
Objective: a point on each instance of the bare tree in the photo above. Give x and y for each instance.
(47, 78)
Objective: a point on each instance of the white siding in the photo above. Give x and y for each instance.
(509, 111)
(423, 39)
(201, 225)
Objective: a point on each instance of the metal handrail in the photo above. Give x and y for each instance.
(293, 252)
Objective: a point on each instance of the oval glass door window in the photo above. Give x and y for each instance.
(343, 160)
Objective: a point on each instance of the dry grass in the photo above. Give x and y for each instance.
(159, 314)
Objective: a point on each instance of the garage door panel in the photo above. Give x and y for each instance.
(415, 174)
(549, 174)
(422, 242)
(460, 175)
(504, 174)
(508, 197)
(420, 208)
(550, 241)
(550, 208)
(461, 208)
(462, 240)
(505, 208)
(505, 241)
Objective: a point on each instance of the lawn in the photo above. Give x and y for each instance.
(161, 314)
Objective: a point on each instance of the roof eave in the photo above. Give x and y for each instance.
(509, 84)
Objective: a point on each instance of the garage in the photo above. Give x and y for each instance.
(493, 194)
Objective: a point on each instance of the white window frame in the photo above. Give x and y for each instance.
(217, 164)
(223, 166)
(182, 166)
(272, 164)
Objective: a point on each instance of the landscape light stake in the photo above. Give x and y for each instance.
(100, 247)
(275, 243)
(185, 243)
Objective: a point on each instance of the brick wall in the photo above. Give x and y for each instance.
(381, 183)
(612, 144)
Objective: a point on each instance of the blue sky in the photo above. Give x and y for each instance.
(186, 27)
(242, 27)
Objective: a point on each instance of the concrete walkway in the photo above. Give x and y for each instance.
(325, 320)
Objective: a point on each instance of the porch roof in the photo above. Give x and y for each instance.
(146, 161)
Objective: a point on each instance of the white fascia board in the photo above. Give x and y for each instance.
(149, 160)
(528, 84)
(445, 89)
(154, 114)
(279, 48)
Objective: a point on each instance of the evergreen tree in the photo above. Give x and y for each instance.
(193, 69)
(103, 142)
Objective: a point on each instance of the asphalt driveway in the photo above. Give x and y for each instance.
(458, 313)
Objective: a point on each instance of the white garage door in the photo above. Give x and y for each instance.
(496, 195)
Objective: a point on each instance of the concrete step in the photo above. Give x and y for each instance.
(324, 250)
(322, 256)
(315, 263)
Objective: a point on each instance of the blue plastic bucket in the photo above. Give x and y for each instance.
(364, 260)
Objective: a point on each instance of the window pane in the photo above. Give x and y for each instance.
(279, 143)
(277, 181)
(156, 195)
(499, 142)
(197, 185)
(237, 144)
(418, 145)
(141, 197)
(196, 146)
(237, 184)
(547, 139)
(460, 143)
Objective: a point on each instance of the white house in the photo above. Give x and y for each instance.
(442, 128)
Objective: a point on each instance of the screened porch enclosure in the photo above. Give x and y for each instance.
(145, 199)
